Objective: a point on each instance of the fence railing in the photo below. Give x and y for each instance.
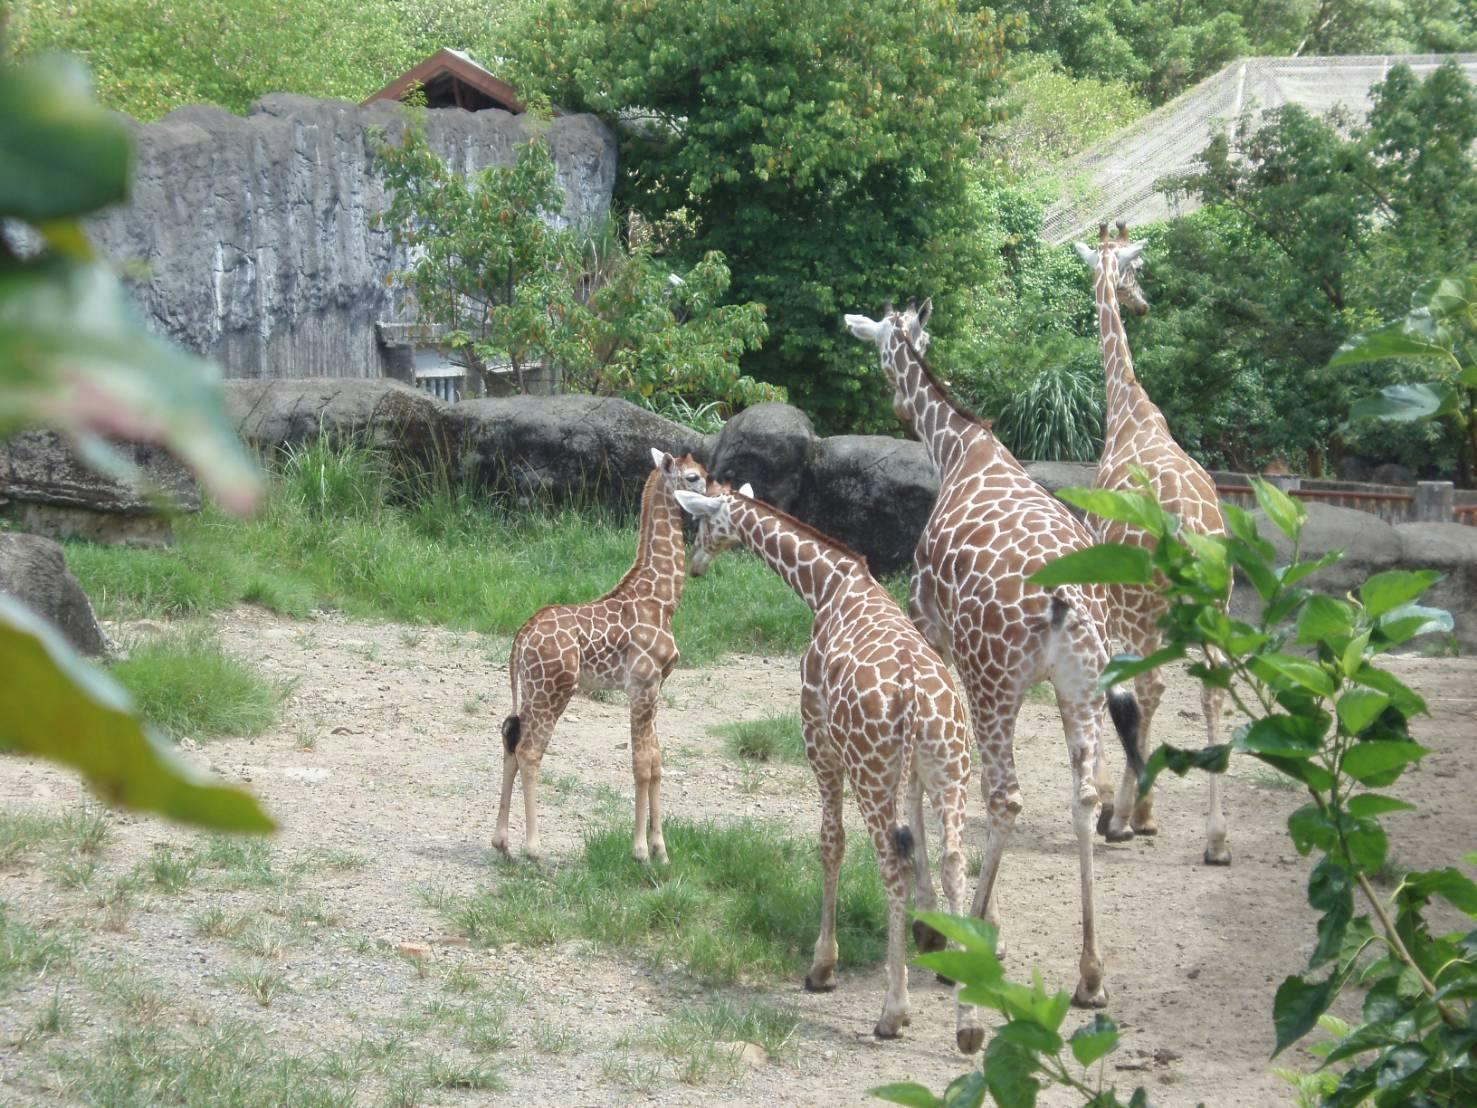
(1428, 502)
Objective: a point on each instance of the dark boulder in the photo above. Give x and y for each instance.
(33, 571)
(872, 493)
(768, 446)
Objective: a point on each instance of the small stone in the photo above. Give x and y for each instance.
(418, 951)
(751, 1054)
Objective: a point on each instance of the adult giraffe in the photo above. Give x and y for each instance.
(992, 527)
(623, 640)
(878, 709)
(1138, 436)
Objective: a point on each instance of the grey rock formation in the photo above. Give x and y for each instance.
(55, 493)
(1452, 549)
(872, 493)
(257, 231)
(768, 446)
(32, 570)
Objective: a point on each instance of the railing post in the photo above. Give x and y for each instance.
(1434, 501)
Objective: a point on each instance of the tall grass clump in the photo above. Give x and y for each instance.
(186, 683)
(1058, 416)
(344, 528)
(737, 904)
(771, 739)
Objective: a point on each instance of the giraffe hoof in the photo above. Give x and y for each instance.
(882, 1031)
(1148, 830)
(1221, 857)
(817, 984)
(1104, 818)
(1090, 998)
(926, 939)
(970, 1039)
(1122, 835)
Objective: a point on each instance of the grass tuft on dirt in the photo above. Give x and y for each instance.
(343, 529)
(186, 683)
(737, 904)
(771, 739)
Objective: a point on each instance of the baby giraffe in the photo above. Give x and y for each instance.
(878, 709)
(621, 641)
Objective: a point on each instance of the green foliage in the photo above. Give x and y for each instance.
(824, 149)
(737, 904)
(1332, 720)
(1028, 1050)
(74, 356)
(1440, 330)
(185, 683)
(1058, 415)
(511, 288)
(772, 739)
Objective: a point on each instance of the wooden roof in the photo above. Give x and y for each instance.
(452, 80)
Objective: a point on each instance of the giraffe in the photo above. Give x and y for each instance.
(1138, 435)
(990, 528)
(623, 640)
(878, 709)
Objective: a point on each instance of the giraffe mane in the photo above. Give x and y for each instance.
(820, 537)
(944, 390)
(649, 491)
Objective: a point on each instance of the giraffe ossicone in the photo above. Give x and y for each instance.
(622, 640)
(991, 527)
(1138, 444)
(878, 710)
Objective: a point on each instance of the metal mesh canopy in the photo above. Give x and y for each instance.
(1115, 179)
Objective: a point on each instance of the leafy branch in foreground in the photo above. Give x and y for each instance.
(1028, 1051)
(1330, 718)
(74, 356)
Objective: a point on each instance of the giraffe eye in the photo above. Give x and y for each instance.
(693, 477)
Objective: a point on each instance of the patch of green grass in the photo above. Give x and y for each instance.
(215, 922)
(186, 683)
(231, 1063)
(28, 951)
(340, 530)
(772, 739)
(78, 831)
(53, 1019)
(260, 981)
(737, 903)
(169, 869)
(699, 1040)
(239, 862)
(23, 832)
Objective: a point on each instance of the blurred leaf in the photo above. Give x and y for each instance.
(1286, 514)
(1390, 341)
(1283, 671)
(1286, 736)
(965, 1091)
(1124, 666)
(1373, 804)
(1358, 708)
(1008, 1073)
(56, 706)
(1213, 759)
(1404, 403)
(1408, 621)
(1323, 618)
(1106, 563)
(1370, 759)
(1452, 885)
(1138, 509)
(1394, 587)
(906, 1092)
(1093, 1040)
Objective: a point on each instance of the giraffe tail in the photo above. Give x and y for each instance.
(900, 837)
(1126, 719)
(512, 731)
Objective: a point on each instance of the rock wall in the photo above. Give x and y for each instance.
(256, 231)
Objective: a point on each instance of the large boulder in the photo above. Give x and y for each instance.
(564, 447)
(768, 446)
(1055, 476)
(409, 422)
(872, 493)
(33, 570)
(1452, 549)
(55, 493)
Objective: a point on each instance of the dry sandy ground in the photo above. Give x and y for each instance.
(386, 751)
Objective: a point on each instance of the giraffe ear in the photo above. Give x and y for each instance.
(864, 328)
(1129, 253)
(1088, 255)
(661, 459)
(925, 311)
(696, 504)
(746, 490)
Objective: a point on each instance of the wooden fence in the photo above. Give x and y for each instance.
(1428, 502)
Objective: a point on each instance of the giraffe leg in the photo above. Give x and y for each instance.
(924, 897)
(822, 975)
(1134, 814)
(505, 802)
(1217, 850)
(969, 1033)
(646, 767)
(894, 868)
(528, 762)
(994, 740)
(1082, 719)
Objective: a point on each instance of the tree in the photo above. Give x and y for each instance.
(508, 286)
(826, 149)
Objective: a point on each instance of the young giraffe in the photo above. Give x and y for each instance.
(878, 709)
(991, 527)
(1138, 435)
(621, 641)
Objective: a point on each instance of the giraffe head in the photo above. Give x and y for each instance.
(685, 472)
(715, 529)
(1119, 260)
(888, 335)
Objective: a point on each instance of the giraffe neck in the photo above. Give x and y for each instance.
(657, 573)
(809, 562)
(945, 431)
(1123, 390)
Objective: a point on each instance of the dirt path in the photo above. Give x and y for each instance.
(381, 776)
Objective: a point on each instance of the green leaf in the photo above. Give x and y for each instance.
(1093, 1040)
(1368, 1036)
(1292, 574)
(1137, 509)
(1453, 886)
(1283, 735)
(1242, 525)
(1400, 1064)
(1300, 769)
(1406, 700)
(968, 967)
(1213, 759)
(965, 1091)
(1367, 760)
(969, 932)
(1106, 564)
(1123, 666)
(1324, 618)
(74, 354)
(1286, 671)
(1358, 708)
(1401, 624)
(56, 706)
(1367, 844)
(1008, 1073)
(1393, 340)
(906, 1092)
(1386, 591)
(1286, 514)
(1406, 403)
(1309, 827)
(1297, 1006)
(61, 154)
(1032, 1036)
(1257, 569)
(1330, 891)
(1364, 805)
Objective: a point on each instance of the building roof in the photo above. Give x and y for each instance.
(452, 80)
(1115, 178)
